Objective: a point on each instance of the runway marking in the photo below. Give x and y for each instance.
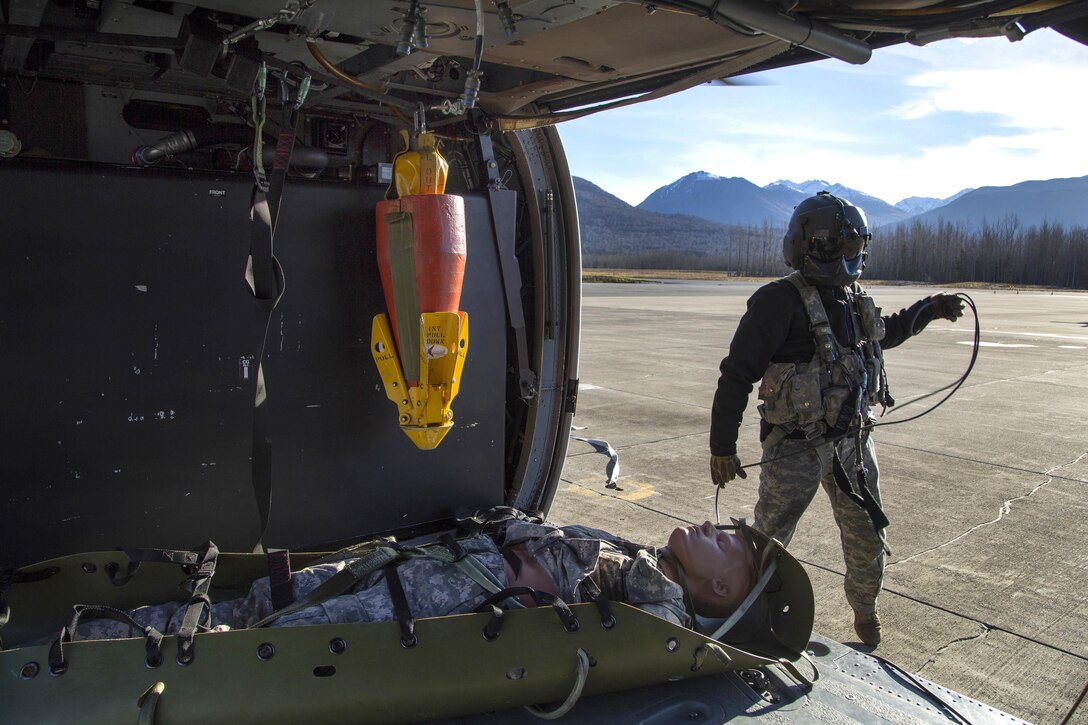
(1049, 335)
(632, 490)
(1073, 347)
(995, 344)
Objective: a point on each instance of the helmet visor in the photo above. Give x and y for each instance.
(848, 242)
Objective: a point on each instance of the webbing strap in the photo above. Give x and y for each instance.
(827, 347)
(353, 572)
(268, 286)
(593, 593)
(402, 268)
(401, 609)
(198, 612)
(58, 665)
(469, 565)
(160, 556)
(863, 497)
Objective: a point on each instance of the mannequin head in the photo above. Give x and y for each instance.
(718, 567)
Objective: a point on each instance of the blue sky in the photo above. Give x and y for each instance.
(912, 121)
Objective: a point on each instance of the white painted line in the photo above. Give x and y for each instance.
(1001, 333)
(1073, 347)
(994, 344)
(588, 386)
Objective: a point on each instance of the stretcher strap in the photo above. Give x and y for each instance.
(58, 665)
(338, 583)
(198, 612)
(593, 593)
(160, 556)
(494, 625)
(401, 609)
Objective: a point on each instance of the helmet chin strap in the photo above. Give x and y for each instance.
(678, 568)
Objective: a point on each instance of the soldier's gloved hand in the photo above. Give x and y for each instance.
(946, 307)
(724, 469)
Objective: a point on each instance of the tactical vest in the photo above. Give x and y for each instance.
(840, 383)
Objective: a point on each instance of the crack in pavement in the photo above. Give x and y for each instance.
(1006, 507)
(983, 631)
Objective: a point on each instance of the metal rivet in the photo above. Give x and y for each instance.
(338, 646)
(89, 568)
(30, 671)
(265, 651)
(672, 644)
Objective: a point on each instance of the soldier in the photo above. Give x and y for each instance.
(815, 338)
(708, 568)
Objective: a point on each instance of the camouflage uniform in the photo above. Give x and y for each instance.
(434, 588)
(777, 329)
(787, 486)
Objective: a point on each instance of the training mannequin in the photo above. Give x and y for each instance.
(572, 563)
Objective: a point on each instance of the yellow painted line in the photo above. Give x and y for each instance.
(632, 490)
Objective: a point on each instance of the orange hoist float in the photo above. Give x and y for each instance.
(420, 346)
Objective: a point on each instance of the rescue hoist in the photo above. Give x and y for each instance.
(420, 346)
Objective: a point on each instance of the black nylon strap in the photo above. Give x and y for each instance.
(401, 609)
(570, 622)
(268, 286)
(57, 663)
(593, 593)
(198, 612)
(160, 556)
(864, 499)
(456, 550)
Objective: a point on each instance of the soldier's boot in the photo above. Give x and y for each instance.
(867, 625)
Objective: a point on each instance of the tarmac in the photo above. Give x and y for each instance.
(986, 591)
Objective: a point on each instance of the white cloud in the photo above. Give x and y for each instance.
(914, 121)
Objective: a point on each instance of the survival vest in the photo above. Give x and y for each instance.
(840, 383)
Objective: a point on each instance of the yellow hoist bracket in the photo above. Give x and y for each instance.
(423, 407)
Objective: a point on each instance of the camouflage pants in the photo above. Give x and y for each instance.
(787, 487)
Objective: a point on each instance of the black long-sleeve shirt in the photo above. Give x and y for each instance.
(775, 329)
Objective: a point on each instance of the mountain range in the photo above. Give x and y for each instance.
(733, 201)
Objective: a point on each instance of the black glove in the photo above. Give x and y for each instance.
(946, 307)
(724, 469)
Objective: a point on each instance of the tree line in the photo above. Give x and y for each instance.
(1005, 252)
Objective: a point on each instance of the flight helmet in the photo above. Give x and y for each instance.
(826, 240)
